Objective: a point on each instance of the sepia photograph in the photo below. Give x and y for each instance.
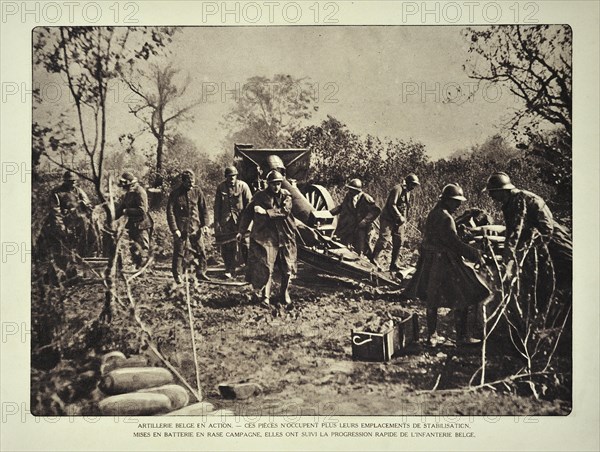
(293, 221)
(304, 226)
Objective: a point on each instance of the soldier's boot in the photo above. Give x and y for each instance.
(394, 259)
(285, 285)
(460, 319)
(265, 293)
(376, 252)
(433, 338)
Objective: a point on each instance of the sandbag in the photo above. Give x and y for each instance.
(176, 394)
(137, 403)
(118, 363)
(132, 379)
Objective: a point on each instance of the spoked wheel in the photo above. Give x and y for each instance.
(320, 199)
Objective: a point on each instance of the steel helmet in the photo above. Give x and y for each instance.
(453, 191)
(274, 176)
(499, 181)
(188, 173)
(355, 184)
(275, 162)
(69, 176)
(127, 179)
(413, 179)
(231, 171)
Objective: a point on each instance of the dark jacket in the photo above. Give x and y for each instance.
(526, 213)
(135, 205)
(186, 210)
(230, 202)
(275, 229)
(442, 278)
(397, 205)
(352, 217)
(67, 203)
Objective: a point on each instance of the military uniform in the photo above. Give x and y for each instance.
(187, 213)
(357, 212)
(139, 223)
(442, 279)
(272, 239)
(67, 226)
(230, 201)
(391, 223)
(533, 234)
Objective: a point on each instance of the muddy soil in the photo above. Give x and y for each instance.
(300, 355)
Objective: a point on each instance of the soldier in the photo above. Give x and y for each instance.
(139, 225)
(231, 198)
(272, 239)
(357, 213)
(68, 224)
(529, 222)
(393, 218)
(442, 278)
(187, 216)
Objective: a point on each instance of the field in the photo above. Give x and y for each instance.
(300, 355)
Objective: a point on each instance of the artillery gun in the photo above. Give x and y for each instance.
(311, 203)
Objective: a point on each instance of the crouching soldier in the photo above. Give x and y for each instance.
(231, 198)
(272, 239)
(393, 218)
(134, 206)
(188, 220)
(357, 213)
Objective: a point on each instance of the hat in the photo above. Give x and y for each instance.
(412, 178)
(188, 173)
(453, 191)
(127, 179)
(275, 162)
(231, 171)
(69, 176)
(499, 181)
(274, 176)
(354, 184)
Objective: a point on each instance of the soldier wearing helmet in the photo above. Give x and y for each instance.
(188, 220)
(272, 238)
(393, 218)
(357, 213)
(442, 278)
(528, 222)
(68, 226)
(231, 198)
(134, 205)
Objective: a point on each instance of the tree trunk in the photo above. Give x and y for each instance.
(159, 153)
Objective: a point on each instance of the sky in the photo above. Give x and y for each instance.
(389, 81)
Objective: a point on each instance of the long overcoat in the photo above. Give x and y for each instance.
(442, 278)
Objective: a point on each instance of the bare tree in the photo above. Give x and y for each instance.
(159, 107)
(89, 58)
(534, 62)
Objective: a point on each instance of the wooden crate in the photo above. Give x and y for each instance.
(372, 346)
(382, 346)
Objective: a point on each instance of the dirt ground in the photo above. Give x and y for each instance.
(300, 355)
